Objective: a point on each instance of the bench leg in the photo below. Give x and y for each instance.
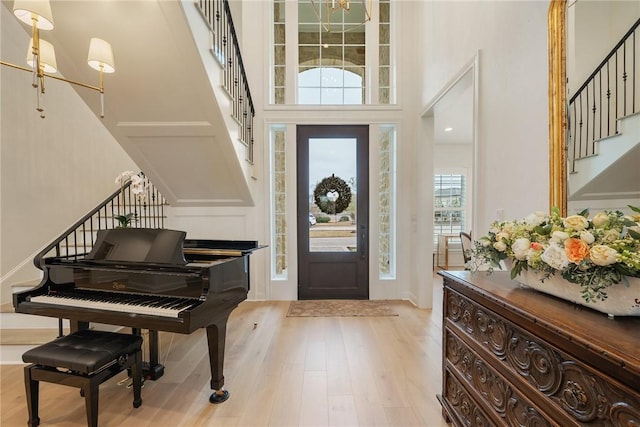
(91, 403)
(33, 392)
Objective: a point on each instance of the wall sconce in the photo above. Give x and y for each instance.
(41, 54)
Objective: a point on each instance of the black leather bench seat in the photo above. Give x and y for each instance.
(86, 351)
(84, 359)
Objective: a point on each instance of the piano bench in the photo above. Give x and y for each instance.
(83, 359)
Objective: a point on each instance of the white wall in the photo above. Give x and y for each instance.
(53, 170)
(512, 145)
(594, 27)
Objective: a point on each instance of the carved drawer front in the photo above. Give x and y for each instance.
(496, 393)
(466, 411)
(573, 390)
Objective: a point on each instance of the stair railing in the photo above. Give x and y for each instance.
(609, 94)
(146, 209)
(226, 50)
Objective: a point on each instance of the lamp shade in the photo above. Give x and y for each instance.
(101, 56)
(47, 56)
(25, 10)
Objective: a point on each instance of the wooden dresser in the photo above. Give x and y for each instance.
(516, 357)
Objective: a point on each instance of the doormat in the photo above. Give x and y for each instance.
(339, 308)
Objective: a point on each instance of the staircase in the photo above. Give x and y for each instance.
(180, 112)
(604, 132)
(613, 171)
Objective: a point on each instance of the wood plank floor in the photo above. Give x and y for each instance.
(287, 371)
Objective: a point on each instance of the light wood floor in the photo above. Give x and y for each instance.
(350, 371)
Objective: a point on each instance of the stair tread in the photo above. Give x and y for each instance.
(28, 336)
(6, 308)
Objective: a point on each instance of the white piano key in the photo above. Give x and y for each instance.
(110, 306)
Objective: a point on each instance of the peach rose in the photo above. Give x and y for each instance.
(576, 250)
(536, 246)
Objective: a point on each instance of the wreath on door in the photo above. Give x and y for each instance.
(328, 185)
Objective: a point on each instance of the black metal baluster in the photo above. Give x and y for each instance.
(593, 111)
(633, 73)
(616, 94)
(581, 123)
(624, 79)
(600, 103)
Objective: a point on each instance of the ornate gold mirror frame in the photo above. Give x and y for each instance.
(557, 106)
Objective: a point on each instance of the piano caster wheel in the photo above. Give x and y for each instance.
(219, 396)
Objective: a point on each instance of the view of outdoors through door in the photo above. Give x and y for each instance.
(333, 211)
(332, 201)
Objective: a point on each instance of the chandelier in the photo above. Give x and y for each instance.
(342, 15)
(41, 56)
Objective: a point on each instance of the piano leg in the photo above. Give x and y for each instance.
(216, 337)
(77, 325)
(155, 369)
(151, 370)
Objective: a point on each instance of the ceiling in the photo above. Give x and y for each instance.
(453, 114)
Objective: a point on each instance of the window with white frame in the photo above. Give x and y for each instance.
(333, 67)
(450, 204)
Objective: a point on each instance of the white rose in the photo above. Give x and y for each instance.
(521, 248)
(603, 255)
(600, 219)
(556, 257)
(502, 236)
(508, 227)
(611, 235)
(485, 242)
(536, 218)
(576, 222)
(500, 246)
(587, 237)
(559, 236)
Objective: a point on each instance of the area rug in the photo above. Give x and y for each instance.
(339, 308)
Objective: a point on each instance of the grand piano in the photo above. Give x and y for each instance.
(153, 279)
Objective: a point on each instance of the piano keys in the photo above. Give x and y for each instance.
(153, 279)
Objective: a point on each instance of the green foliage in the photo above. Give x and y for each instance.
(125, 221)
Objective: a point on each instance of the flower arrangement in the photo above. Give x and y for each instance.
(139, 183)
(139, 186)
(593, 253)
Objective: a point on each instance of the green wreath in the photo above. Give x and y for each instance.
(329, 184)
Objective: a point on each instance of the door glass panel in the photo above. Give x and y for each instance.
(332, 195)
